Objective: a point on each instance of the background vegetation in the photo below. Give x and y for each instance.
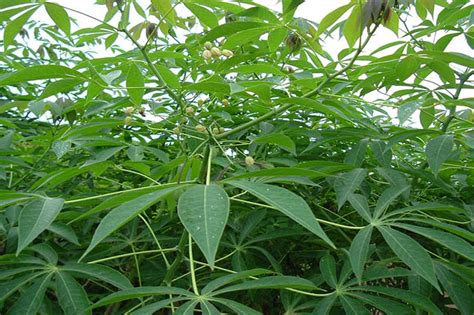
(229, 164)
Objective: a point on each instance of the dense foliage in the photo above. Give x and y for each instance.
(229, 163)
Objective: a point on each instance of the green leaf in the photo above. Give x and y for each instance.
(407, 67)
(209, 309)
(71, 295)
(168, 77)
(61, 147)
(14, 27)
(238, 308)
(35, 217)
(359, 250)
(39, 73)
(361, 205)
(458, 291)
(387, 306)
(140, 292)
(187, 308)
(327, 265)
(155, 307)
(230, 28)
(438, 150)
(256, 68)
(332, 17)
(345, 184)
(287, 202)
(65, 231)
(272, 282)
(135, 84)
(245, 36)
(353, 27)
(411, 297)
(356, 154)
(59, 15)
(352, 306)
(448, 240)
(280, 140)
(119, 216)
(276, 37)
(224, 280)
(204, 211)
(99, 272)
(411, 253)
(445, 73)
(388, 196)
(205, 16)
(30, 301)
(324, 306)
(9, 287)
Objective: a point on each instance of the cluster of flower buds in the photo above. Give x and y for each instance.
(249, 160)
(211, 51)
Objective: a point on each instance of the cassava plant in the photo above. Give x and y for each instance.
(213, 156)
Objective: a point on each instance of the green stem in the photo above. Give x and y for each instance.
(132, 254)
(156, 240)
(191, 265)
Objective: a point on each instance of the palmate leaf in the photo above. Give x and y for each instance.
(438, 150)
(450, 241)
(411, 253)
(345, 184)
(99, 272)
(410, 297)
(71, 296)
(36, 217)
(359, 250)
(30, 300)
(119, 216)
(287, 202)
(271, 282)
(204, 211)
(140, 292)
(458, 291)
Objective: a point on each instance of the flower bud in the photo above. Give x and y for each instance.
(294, 42)
(200, 102)
(216, 52)
(129, 110)
(190, 111)
(225, 102)
(127, 121)
(207, 54)
(200, 128)
(141, 111)
(249, 160)
(227, 53)
(151, 30)
(221, 130)
(208, 45)
(215, 131)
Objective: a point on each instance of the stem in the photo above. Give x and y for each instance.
(209, 162)
(132, 254)
(156, 240)
(191, 265)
